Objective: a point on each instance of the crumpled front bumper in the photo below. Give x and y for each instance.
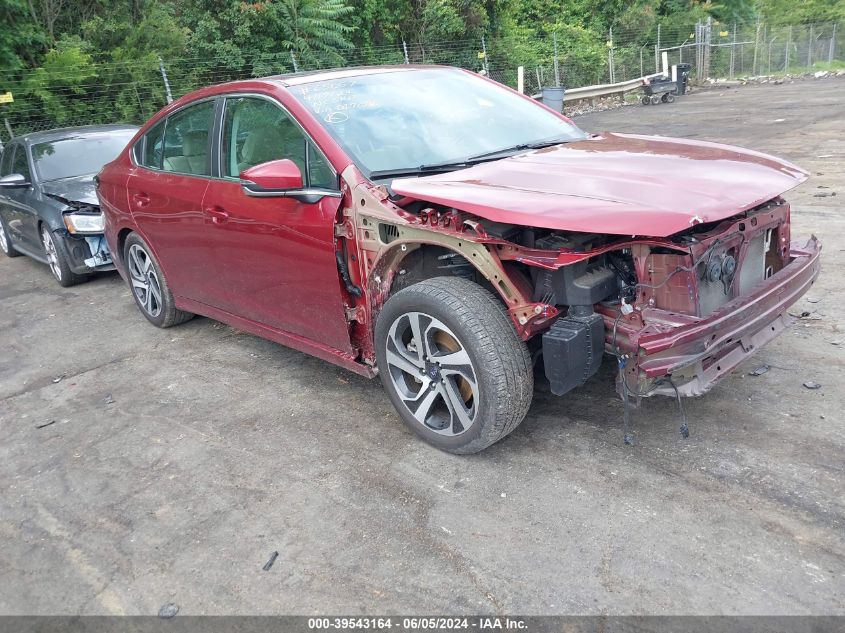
(699, 353)
(88, 253)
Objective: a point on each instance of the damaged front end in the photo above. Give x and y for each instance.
(679, 312)
(85, 226)
(698, 314)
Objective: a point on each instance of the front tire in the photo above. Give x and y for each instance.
(58, 259)
(452, 364)
(149, 287)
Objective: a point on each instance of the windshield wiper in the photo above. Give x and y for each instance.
(466, 162)
(508, 151)
(422, 169)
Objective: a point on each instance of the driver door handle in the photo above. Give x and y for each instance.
(218, 215)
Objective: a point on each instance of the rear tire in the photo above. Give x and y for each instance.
(56, 251)
(646, 100)
(452, 364)
(149, 287)
(6, 241)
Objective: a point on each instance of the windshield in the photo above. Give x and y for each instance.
(408, 119)
(78, 155)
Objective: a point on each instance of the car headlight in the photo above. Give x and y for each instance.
(85, 222)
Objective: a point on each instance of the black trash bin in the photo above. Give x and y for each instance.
(681, 72)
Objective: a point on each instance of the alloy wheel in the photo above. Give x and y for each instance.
(145, 281)
(50, 251)
(432, 373)
(4, 241)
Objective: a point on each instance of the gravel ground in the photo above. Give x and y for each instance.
(174, 462)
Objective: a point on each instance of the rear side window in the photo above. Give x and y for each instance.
(185, 147)
(148, 150)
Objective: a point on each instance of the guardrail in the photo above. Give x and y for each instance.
(602, 90)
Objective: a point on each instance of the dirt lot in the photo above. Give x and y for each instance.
(179, 459)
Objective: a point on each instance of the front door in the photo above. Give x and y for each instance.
(21, 217)
(277, 255)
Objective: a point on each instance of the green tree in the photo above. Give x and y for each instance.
(313, 30)
(786, 12)
(20, 38)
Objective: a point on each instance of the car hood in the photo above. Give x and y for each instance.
(80, 189)
(621, 184)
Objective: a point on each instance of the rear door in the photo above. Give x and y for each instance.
(277, 255)
(165, 192)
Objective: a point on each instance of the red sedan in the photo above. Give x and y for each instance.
(444, 232)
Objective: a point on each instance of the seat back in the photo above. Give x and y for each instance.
(193, 158)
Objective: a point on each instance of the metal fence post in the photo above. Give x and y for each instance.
(733, 54)
(698, 69)
(788, 46)
(611, 70)
(293, 61)
(832, 45)
(520, 79)
(810, 41)
(167, 92)
(484, 63)
(657, 51)
(405, 50)
(557, 68)
(756, 46)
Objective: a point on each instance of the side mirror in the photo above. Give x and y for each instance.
(278, 178)
(13, 181)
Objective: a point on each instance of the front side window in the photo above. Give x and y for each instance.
(257, 131)
(6, 161)
(78, 155)
(406, 119)
(20, 165)
(185, 146)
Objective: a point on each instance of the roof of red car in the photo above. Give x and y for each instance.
(296, 79)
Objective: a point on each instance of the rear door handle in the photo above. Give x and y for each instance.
(218, 215)
(141, 200)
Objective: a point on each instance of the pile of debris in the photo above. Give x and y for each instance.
(599, 104)
(776, 79)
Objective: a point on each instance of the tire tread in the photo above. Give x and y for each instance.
(503, 354)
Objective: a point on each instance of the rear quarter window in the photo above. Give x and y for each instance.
(147, 152)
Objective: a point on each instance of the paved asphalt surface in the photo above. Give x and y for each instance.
(178, 460)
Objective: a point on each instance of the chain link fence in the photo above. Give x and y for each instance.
(58, 95)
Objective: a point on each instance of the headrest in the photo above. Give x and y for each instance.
(262, 146)
(194, 143)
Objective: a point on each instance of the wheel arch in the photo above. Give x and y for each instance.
(413, 257)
